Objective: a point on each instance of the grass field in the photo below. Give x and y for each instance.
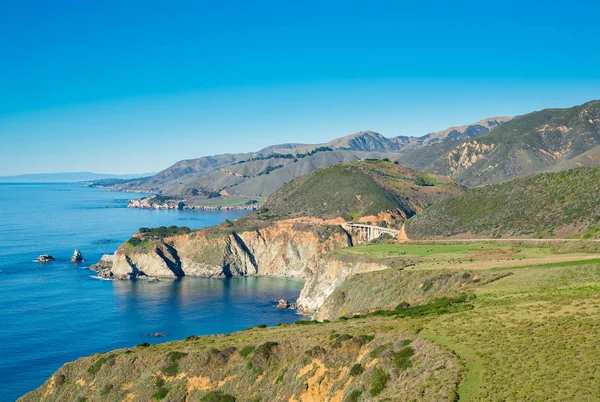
(533, 333)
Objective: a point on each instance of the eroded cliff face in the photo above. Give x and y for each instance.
(329, 274)
(284, 249)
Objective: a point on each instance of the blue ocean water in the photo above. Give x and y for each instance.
(57, 312)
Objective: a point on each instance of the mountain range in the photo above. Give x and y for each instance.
(489, 151)
(259, 174)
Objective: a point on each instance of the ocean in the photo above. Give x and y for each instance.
(57, 312)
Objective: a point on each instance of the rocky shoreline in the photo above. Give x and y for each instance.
(282, 249)
(155, 202)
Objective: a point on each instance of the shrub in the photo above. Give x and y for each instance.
(160, 393)
(307, 322)
(261, 326)
(172, 369)
(375, 353)
(265, 350)
(353, 396)
(106, 389)
(246, 351)
(143, 345)
(316, 351)
(60, 380)
(356, 370)
(191, 338)
(135, 241)
(402, 358)
(366, 338)
(94, 368)
(424, 180)
(217, 396)
(378, 381)
(405, 342)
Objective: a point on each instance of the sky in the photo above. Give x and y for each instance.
(134, 86)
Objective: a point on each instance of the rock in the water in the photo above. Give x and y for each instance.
(45, 258)
(157, 334)
(282, 304)
(77, 257)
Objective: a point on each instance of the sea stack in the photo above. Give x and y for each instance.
(77, 257)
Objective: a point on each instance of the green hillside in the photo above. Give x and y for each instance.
(357, 189)
(532, 143)
(561, 204)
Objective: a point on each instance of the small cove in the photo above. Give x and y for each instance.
(57, 312)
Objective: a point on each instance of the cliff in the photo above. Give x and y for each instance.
(284, 249)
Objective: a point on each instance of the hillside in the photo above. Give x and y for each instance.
(532, 143)
(258, 174)
(561, 204)
(467, 332)
(359, 189)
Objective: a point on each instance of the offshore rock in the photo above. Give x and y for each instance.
(77, 257)
(45, 258)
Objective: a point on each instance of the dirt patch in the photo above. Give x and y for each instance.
(200, 383)
(49, 389)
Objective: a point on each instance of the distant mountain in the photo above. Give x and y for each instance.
(372, 141)
(258, 174)
(562, 204)
(70, 177)
(551, 139)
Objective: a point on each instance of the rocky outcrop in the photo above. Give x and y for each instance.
(155, 202)
(105, 263)
(159, 202)
(328, 275)
(283, 249)
(45, 258)
(77, 257)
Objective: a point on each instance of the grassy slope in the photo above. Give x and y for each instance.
(533, 331)
(271, 364)
(357, 189)
(539, 205)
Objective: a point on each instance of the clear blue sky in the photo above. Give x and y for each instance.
(133, 86)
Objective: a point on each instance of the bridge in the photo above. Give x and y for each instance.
(369, 232)
(364, 232)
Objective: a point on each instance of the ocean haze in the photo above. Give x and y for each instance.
(67, 177)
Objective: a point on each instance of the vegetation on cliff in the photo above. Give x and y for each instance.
(560, 204)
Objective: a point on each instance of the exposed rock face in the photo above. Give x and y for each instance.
(284, 249)
(105, 263)
(45, 258)
(327, 276)
(77, 257)
(153, 202)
